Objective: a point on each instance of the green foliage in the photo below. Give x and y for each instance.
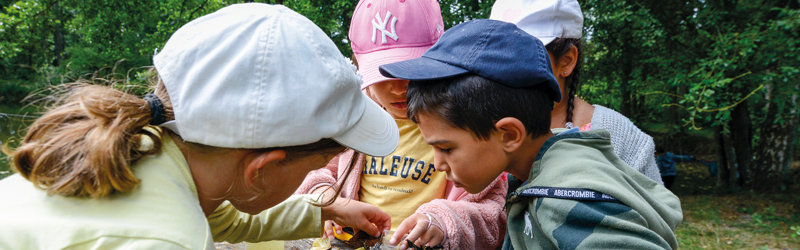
(78, 37)
(689, 65)
(455, 12)
(82, 36)
(12, 92)
(72, 38)
(684, 65)
(690, 60)
(333, 17)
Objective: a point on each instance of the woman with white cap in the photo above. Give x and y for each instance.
(559, 24)
(247, 101)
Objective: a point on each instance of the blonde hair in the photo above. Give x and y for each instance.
(87, 141)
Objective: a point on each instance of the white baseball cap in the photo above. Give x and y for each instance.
(260, 76)
(543, 19)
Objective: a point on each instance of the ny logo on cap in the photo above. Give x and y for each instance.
(381, 25)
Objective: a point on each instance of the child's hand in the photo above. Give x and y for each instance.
(329, 225)
(328, 229)
(358, 215)
(424, 229)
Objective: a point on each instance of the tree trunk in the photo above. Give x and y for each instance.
(625, 107)
(722, 162)
(730, 160)
(58, 36)
(773, 157)
(627, 68)
(640, 99)
(742, 141)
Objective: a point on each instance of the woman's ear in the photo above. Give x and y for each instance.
(567, 62)
(261, 161)
(512, 133)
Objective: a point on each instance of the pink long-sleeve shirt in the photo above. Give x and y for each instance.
(470, 221)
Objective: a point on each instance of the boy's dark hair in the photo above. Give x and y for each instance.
(474, 103)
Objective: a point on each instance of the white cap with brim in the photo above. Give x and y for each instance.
(262, 76)
(543, 19)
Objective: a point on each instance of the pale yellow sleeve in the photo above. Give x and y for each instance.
(294, 218)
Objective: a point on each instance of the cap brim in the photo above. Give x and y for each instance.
(374, 134)
(421, 69)
(546, 39)
(368, 62)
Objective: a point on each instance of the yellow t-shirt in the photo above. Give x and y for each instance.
(402, 181)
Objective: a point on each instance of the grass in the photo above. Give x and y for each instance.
(737, 222)
(742, 220)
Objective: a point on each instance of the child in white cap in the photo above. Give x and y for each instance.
(559, 24)
(423, 204)
(247, 101)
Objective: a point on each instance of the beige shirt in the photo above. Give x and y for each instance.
(162, 212)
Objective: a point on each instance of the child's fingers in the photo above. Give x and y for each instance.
(328, 232)
(368, 218)
(379, 220)
(330, 226)
(338, 228)
(387, 224)
(415, 234)
(432, 237)
(403, 229)
(435, 233)
(368, 228)
(436, 237)
(371, 219)
(423, 239)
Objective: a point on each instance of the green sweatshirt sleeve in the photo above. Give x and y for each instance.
(294, 218)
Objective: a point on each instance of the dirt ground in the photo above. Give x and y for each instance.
(229, 246)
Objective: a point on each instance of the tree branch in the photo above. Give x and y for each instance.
(198, 8)
(14, 26)
(180, 14)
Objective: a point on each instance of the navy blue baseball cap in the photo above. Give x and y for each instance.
(495, 50)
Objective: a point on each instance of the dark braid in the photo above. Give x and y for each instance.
(558, 48)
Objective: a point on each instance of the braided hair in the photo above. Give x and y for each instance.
(558, 48)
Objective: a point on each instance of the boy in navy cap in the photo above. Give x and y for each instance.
(482, 96)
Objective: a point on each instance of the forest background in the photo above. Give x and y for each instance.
(716, 79)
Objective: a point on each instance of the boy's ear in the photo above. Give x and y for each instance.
(566, 63)
(261, 161)
(512, 133)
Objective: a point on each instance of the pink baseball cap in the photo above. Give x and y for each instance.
(388, 31)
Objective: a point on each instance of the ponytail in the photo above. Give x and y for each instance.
(558, 48)
(86, 144)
